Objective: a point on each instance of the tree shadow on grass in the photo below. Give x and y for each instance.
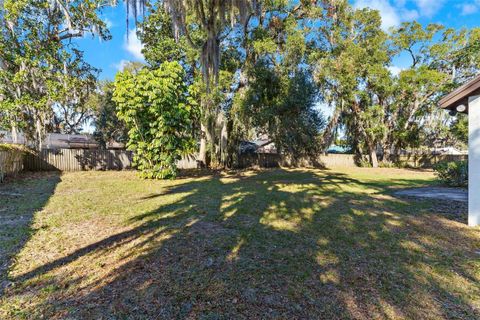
(20, 198)
(276, 244)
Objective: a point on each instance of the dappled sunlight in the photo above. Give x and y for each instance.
(233, 255)
(394, 223)
(247, 243)
(412, 246)
(327, 259)
(282, 217)
(229, 206)
(279, 224)
(330, 277)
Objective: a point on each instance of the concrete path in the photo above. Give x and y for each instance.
(453, 194)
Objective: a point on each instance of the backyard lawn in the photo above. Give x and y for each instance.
(283, 244)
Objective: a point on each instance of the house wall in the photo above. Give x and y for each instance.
(474, 161)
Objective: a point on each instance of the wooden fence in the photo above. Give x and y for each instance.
(428, 160)
(267, 160)
(322, 161)
(84, 159)
(11, 162)
(77, 160)
(262, 160)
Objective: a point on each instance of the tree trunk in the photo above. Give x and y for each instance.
(224, 142)
(327, 137)
(387, 154)
(14, 133)
(202, 156)
(38, 134)
(373, 156)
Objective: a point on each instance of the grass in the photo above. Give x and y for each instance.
(284, 244)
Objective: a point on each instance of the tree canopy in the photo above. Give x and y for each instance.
(255, 69)
(43, 76)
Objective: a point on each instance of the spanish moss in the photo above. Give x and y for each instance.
(213, 16)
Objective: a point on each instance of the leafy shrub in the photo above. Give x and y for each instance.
(452, 173)
(364, 163)
(394, 164)
(12, 147)
(387, 164)
(158, 111)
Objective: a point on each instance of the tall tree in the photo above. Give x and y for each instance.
(271, 32)
(441, 59)
(37, 59)
(350, 60)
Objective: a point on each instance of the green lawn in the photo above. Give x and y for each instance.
(283, 244)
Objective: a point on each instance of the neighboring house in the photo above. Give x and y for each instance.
(265, 146)
(448, 150)
(257, 146)
(62, 141)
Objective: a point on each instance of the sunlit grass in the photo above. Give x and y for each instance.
(272, 244)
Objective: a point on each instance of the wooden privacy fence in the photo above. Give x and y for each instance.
(321, 161)
(11, 162)
(268, 160)
(77, 160)
(87, 159)
(262, 160)
(428, 160)
(272, 160)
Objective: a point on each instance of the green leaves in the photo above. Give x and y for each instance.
(157, 108)
(282, 106)
(44, 76)
(452, 173)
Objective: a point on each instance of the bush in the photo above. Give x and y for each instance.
(364, 163)
(12, 147)
(158, 111)
(453, 173)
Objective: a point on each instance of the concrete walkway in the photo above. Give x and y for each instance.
(453, 194)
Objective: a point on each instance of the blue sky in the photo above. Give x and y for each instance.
(109, 56)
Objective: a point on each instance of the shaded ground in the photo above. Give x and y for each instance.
(454, 194)
(289, 244)
(18, 202)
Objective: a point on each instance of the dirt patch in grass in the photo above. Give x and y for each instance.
(274, 244)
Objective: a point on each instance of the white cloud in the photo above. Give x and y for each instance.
(470, 7)
(394, 70)
(133, 45)
(390, 16)
(429, 8)
(394, 12)
(121, 65)
(409, 15)
(108, 23)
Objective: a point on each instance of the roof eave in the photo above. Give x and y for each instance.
(460, 95)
